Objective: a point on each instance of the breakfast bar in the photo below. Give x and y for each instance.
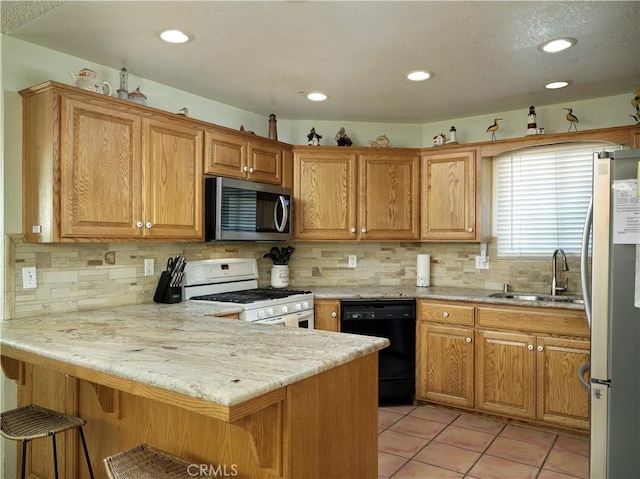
(230, 397)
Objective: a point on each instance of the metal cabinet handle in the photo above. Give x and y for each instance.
(148, 225)
(445, 314)
(363, 230)
(470, 229)
(334, 314)
(530, 347)
(353, 230)
(139, 224)
(246, 168)
(540, 348)
(251, 170)
(468, 340)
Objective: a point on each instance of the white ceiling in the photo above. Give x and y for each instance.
(264, 56)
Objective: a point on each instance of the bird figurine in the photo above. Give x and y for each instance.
(636, 118)
(381, 141)
(572, 119)
(183, 111)
(635, 101)
(493, 128)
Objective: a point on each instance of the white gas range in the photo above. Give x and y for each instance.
(235, 280)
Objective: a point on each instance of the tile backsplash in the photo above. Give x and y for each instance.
(75, 276)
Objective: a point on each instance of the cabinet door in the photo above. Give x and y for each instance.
(265, 163)
(389, 205)
(225, 154)
(449, 196)
(327, 314)
(445, 365)
(173, 180)
(59, 392)
(505, 373)
(561, 399)
(325, 196)
(100, 170)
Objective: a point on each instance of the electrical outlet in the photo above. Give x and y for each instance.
(149, 267)
(29, 278)
(482, 262)
(353, 261)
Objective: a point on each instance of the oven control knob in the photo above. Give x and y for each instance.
(270, 311)
(261, 314)
(285, 309)
(305, 304)
(298, 306)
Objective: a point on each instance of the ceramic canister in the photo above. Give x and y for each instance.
(280, 275)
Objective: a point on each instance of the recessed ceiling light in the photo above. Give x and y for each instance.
(554, 85)
(557, 45)
(418, 76)
(174, 36)
(317, 96)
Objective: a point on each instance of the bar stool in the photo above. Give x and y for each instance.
(146, 462)
(32, 422)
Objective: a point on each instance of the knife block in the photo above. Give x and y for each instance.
(165, 293)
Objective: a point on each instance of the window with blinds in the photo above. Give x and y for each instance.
(541, 197)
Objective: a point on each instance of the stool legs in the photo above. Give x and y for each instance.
(24, 458)
(86, 453)
(55, 455)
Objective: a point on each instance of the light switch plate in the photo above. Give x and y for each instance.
(353, 261)
(482, 262)
(29, 278)
(149, 267)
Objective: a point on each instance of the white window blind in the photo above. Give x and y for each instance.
(541, 197)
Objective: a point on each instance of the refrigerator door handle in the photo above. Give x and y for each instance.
(581, 372)
(584, 261)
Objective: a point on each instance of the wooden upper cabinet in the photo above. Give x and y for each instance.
(351, 195)
(324, 191)
(173, 180)
(240, 155)
(100, 172)
(449, 196)
(99, 169)
(389, 202)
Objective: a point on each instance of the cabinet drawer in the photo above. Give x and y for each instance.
(548, 321)
(444, 312)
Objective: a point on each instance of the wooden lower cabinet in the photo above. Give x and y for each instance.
(560, 398)
(516, 362)
(445, 374)
(326, 314)
(505, 373)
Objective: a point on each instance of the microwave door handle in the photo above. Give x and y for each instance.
(285, 214)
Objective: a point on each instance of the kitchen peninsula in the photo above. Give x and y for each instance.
(257, 401)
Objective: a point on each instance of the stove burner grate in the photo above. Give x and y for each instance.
(249, 295)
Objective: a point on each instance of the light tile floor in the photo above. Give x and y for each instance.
(427, 442)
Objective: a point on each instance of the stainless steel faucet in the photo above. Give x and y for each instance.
(565, 267)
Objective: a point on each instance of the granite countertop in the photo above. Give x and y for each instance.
(183, 349)
(433, 292)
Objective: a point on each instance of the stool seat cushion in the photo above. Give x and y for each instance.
(146, 462)
(31, 421)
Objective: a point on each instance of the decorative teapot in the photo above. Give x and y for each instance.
(86, 79)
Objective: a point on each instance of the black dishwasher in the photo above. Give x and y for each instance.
(394, 319)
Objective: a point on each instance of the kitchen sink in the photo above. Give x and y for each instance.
(547, 298)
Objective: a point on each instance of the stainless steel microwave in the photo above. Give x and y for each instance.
(244, 210)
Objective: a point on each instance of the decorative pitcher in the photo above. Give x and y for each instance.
(86, 79)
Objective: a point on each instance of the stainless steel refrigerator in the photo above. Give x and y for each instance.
(612, 303)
